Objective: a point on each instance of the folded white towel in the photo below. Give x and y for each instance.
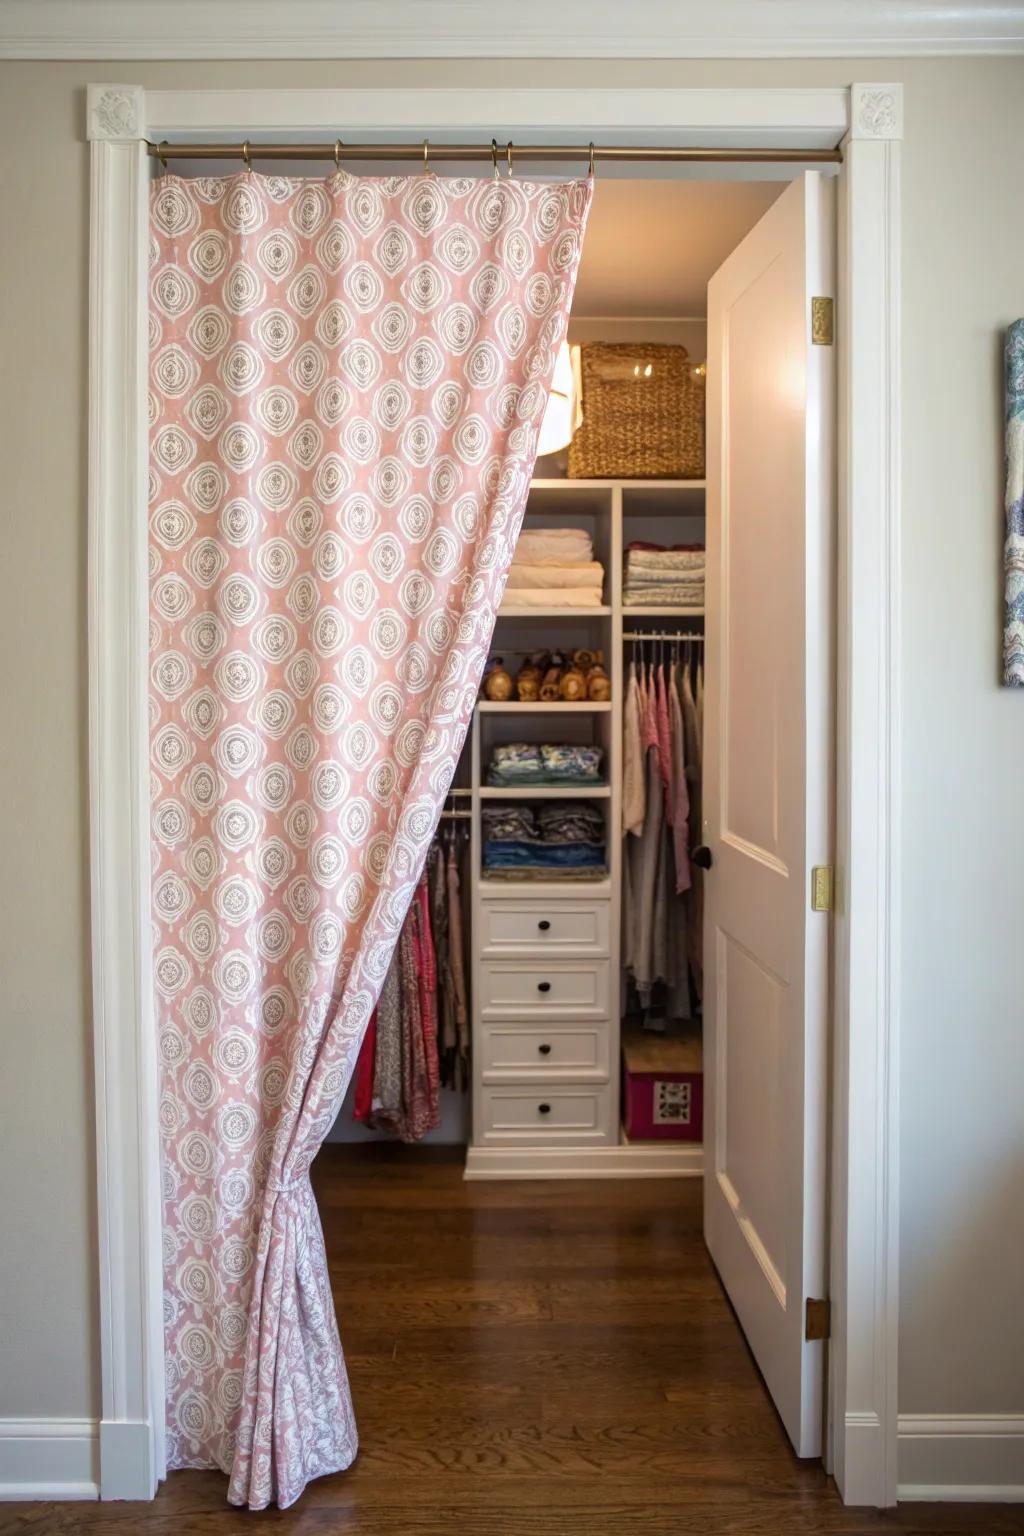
(539, 546)
(582, 573)
(551, 597)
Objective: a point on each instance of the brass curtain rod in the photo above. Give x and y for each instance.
(509, 152)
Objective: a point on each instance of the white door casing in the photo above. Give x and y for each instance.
(768, 769)
(867, 120)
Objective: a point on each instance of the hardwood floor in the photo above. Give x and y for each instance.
(531, 1360)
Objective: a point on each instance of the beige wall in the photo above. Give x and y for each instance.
(962, 1061)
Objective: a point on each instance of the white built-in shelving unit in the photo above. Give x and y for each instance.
(547, 988)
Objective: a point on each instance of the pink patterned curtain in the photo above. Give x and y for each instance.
(348, 377)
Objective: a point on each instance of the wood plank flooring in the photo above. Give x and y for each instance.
(545, 1359)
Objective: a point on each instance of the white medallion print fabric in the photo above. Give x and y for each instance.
(347, 381)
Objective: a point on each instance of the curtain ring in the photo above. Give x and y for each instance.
(337, 156)
(160, 153)
(590, 172)
(426, 154)
(494, 157)
(508, 155)
(245, 155)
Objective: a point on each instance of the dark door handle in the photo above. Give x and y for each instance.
(701, 856)
(544, 1109)
(543, 925)
(543, 986)
(545, 1050)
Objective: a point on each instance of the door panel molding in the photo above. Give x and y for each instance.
(862, 1352)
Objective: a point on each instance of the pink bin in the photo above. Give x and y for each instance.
(662, 1086)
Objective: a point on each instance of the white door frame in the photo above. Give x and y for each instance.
(867, 118)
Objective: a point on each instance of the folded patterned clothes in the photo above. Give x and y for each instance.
(665, 573)
(578, 573)
(570, 821)
(654, 562)
(551, 597)
(554, 546)
(516, 763)
(667, 597)
(499, 854)
(509, 822)
(524, 873)
(646, 546)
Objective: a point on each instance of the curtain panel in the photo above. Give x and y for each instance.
(1013, 554)
(347, 382)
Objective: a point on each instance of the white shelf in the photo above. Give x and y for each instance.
(555, 613)
(555, 483)
(542, 890)
(662, 613)
(546, 792)
(556, 707)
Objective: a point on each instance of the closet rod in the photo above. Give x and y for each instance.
(509, 152)
(456, 815)
(658, 634)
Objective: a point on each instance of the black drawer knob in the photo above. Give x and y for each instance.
(545, 1050)
(544, 1109)
(701, 856)
(543, 925)
(543, 986)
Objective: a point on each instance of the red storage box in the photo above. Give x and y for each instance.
(662, 1086)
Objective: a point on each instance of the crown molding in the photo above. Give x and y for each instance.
(535, 29)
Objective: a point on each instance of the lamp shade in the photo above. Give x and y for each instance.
(559, 422)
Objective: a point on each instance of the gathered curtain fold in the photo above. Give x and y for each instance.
(347, 382)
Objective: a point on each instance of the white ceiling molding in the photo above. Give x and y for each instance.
(534, 29)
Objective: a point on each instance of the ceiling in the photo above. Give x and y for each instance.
(574, 29)
(652, 245)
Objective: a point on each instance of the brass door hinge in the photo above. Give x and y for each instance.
(822, 322)
(822, 887)
(818, 1322)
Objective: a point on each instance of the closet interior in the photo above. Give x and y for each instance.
(573, 826)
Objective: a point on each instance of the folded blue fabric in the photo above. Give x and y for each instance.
(511, 855)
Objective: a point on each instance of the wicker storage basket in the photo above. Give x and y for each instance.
(643, 414)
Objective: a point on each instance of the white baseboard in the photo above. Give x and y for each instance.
(647, 1160)
(49, 1459)
(863, 1458)
(974, 1457)
(127, 1459)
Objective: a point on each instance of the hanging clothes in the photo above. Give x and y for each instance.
(420, 1035)
(661, 918)
(458, 928)
(695, 895)
(633, 792)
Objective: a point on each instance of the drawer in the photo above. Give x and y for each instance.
(550, 1051)
(533, 928)
(546, 1114)
(556, 989)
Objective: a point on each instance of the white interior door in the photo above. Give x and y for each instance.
(767, 802)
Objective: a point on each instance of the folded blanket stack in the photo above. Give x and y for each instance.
(664, 578)
(518, 764)
(556, 842)
(554, 568)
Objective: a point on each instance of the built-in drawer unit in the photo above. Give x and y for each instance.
(532, 928)
(551, 1113)
(555, 989)
(554, 1051)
